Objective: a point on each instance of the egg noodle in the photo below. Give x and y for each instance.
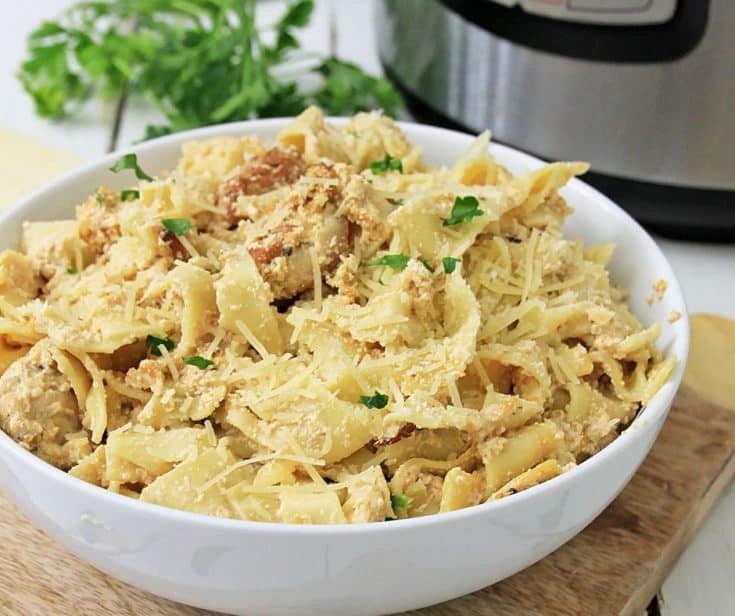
(324, 330)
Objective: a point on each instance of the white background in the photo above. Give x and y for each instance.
(702, 580)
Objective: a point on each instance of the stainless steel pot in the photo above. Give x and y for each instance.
(644, 89)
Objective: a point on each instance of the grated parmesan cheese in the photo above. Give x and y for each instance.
(168, 360)
(252, 339)
(188, 246)
(317, 273)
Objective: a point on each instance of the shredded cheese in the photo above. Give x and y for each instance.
(252, 339)
(170, 364)
(317, 273)
(453, 392)
(257, 460)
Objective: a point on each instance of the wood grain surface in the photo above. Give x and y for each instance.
(615, 566)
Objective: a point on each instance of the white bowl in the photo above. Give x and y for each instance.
(256, 568)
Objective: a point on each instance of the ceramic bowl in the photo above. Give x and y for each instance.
(256, 568)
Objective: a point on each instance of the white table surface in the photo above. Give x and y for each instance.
(702, 580)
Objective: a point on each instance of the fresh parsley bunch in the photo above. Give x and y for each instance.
(199, 61)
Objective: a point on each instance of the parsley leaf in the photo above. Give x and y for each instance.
(400, 502)
(376, 401)
(427, 265)
(152, 343)
(129, 194)
(387, 164)
(395, 262)
(347, 88)
(199, 62)
(450, 264)
(130, 161)
(71, 270)
(99, 198)
(177, 226)
(200, 362)
(464, 210)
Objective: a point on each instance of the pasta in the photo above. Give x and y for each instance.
(324, 330)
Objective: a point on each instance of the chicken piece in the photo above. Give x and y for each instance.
(328, 210)
(39, 410)
(283, 252)
(423, 488)
(18, 282)
(368, 212)
(279, 166)
(345, 279)
(419, 284)
(149, 375)
(51, 246)
(99, 225)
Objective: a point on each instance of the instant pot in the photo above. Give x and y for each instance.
(643, 89)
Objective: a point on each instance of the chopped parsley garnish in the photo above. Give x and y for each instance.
(395, 202)
(395, 262)
(100, 199)
(450, 264)
(199, 62)
(387, 164)
(177, 226)
(153, 344)
(129, 194)
(400, 502)
(71, 270)
(463, 210)
(376, 401)
(427, 265)
(199, 362)
(130, 161)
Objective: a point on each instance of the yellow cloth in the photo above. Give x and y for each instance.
(26, 164)
(710, 370)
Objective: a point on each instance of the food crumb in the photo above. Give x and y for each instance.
(649, 300)
(674, 316)
(659, 288)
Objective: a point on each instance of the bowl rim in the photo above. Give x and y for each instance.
(653, 411)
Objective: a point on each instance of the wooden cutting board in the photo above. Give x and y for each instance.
(615, 566)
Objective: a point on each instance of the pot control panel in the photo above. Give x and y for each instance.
(601, 12)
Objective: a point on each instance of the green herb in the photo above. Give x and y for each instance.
(177, 226)
(71, 270)
(464, 210)
(387, 164)
(199, 62)
(376, 401)
(400, 502)
(130, 161)
(200, 362)
(129, 194)
(395, 262)
(427, 265)
(100, 199)
(450, 264)
(395, 201)
(153, 344)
